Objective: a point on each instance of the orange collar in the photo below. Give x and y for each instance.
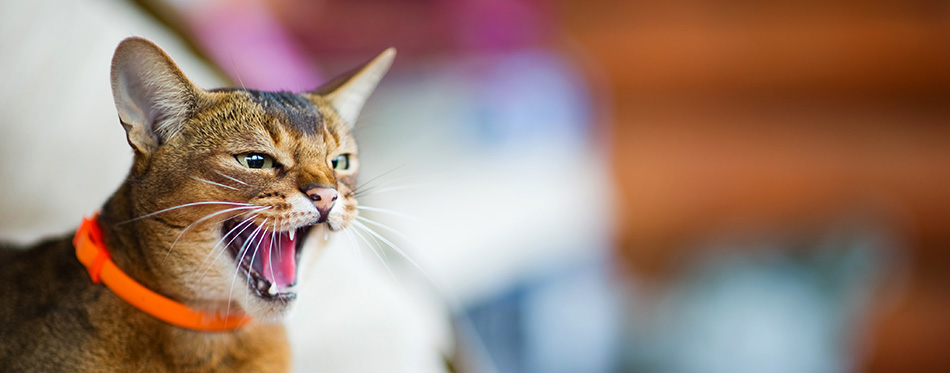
(92, 253)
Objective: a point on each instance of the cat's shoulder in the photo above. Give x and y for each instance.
(56, 252)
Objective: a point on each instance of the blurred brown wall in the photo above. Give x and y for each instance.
(733, 115)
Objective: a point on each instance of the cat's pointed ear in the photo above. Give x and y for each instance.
(349, 92)
(152, 95)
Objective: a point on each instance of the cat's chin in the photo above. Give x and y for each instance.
(269, 311)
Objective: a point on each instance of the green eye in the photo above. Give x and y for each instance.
(255, 160)
(341, 162)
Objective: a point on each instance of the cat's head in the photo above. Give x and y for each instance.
(230, 186)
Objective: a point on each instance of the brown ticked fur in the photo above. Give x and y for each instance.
(53, 318)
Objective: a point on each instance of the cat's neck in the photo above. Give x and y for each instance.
(129, 241)
(121, 237)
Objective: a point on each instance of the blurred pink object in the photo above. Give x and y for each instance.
(251, 46)
(357, 29)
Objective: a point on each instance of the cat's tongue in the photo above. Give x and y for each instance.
(278, 262)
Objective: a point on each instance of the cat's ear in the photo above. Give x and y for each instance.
(152, 95)
(349, 92)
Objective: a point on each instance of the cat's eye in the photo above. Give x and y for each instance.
(255, 160)
(341, 162)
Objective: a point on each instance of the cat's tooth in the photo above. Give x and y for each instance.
(272, 290)
(292, 231)
(326, 235)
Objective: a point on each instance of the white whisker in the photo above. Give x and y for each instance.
(238, 73)
(356, 246)
(214, 183)
(391, 245)
(240, 260)
(247, 223)
(379, 246)
(186, 205)
(272, 250)
(376, 252)
(391, 189)
(229, 177)
(203, 219)
(392, 212)
(380, 176)
(257, 249)
(390, 229)
(369, 246)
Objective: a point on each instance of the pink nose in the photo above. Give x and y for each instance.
(323, 198)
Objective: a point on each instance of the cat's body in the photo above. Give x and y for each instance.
(224, 190)
(55, 319)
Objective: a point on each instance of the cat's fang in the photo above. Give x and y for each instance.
(292, 232)
(272, 290)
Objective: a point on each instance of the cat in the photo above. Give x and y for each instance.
(227, 189)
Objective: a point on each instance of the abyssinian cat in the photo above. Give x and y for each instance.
(194, 261)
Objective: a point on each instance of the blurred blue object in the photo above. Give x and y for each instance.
(768, 307)
(526, 100)
(565, 319)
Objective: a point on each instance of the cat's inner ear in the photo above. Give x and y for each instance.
(348, 92)
(152, 95)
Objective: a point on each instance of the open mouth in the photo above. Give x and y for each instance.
(267, 259)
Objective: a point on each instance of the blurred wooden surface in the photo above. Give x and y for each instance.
(744, 115)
